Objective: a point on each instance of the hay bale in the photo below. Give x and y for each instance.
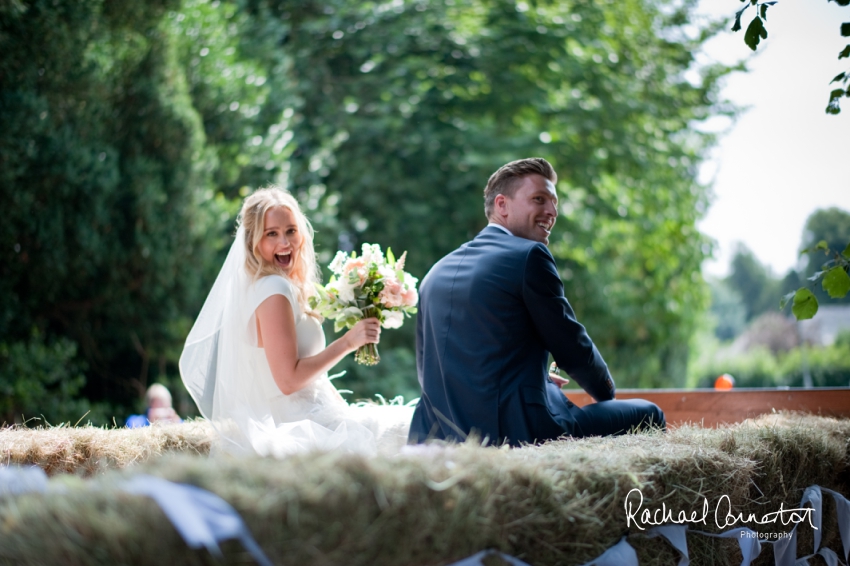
(88, 450)
(560, 503)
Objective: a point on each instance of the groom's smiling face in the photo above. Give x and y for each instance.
(531, 212)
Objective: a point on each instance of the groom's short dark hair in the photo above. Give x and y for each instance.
(508, 178)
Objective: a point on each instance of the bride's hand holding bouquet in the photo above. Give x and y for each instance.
(369, 286)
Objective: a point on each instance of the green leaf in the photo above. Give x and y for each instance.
(846, 252)
(323, 293)
(844, 52)
(805, 304)
(783, 302)
(833, 106)
(838, 77)
(845, 29)
(836, 282)
(822, 245)
(841, 2)
(755, 32)
(737, 25)
(390, 257)
(352, 312)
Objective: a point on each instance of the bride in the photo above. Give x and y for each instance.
(256, 363)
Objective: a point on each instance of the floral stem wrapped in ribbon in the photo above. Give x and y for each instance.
(369, 286)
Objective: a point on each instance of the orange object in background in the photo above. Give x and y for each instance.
(724, 382)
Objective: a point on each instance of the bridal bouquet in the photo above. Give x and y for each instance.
(369, 286)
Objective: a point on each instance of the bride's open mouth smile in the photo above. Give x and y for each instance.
(283, 260)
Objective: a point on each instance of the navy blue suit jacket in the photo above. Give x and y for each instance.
(489, 315)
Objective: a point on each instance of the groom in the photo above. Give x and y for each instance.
(491, 312)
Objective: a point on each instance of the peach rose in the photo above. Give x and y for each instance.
(354, 263)
(409, 297)
(391, 294)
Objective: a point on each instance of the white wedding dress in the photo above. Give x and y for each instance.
(230, 379)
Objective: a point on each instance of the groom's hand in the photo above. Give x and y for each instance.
(558, 380)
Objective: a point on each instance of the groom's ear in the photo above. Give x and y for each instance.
(499, 204)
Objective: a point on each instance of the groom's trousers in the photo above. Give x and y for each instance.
(606, 418)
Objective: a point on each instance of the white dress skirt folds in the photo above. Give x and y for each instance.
(229, 378)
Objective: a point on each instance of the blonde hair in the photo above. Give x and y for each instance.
(252, 217)
(157, 391)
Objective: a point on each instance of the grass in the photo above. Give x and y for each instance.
(560, 503)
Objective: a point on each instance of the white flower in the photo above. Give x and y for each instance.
(371, 253)
(410, 281)
(344, 289)
(338, 263)
(392, 319)
(386, 272)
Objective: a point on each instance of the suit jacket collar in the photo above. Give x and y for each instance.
(494, 231)
(500, 228)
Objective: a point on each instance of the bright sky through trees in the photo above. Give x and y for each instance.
(784, 157)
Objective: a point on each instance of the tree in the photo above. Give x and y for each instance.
(405, 110)
(753, 282)
(756, 31)
(728, 310)
(830, 225)
(42, 381)
(132, 130)
(105, 181)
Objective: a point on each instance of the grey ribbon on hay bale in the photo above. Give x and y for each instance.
(14, 480)
(478, 559)
(202, 518)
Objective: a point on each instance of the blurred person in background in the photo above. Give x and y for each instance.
(158, 400)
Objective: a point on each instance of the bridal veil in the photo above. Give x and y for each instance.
(228, 377)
